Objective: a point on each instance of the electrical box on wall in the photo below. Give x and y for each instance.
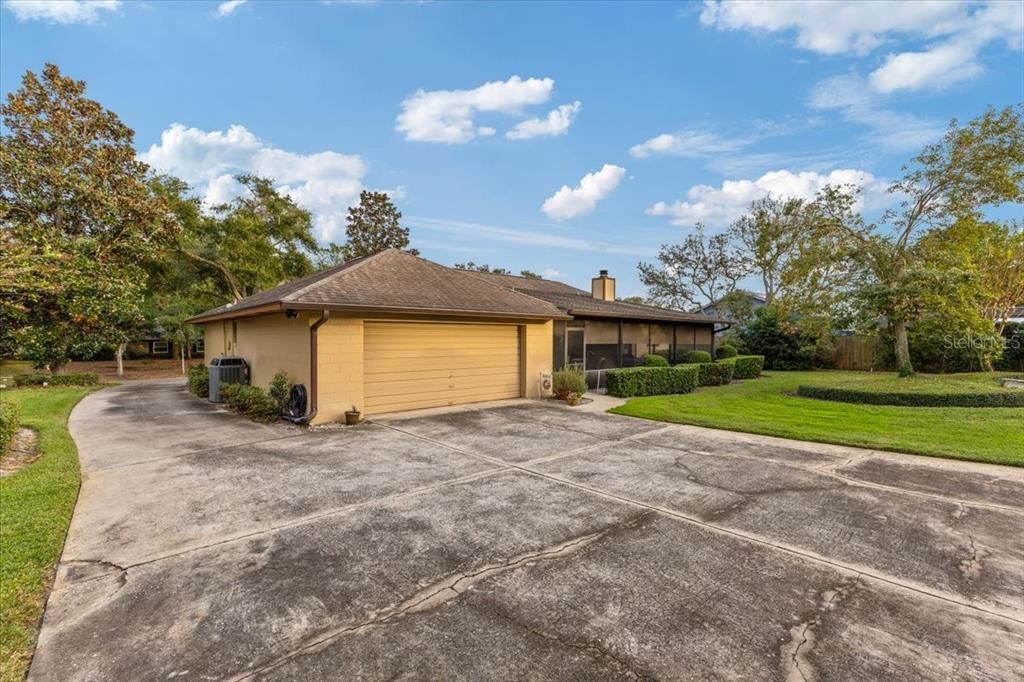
(545, 383)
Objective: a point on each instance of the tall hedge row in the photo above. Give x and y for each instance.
(746, 366)
(640, 381)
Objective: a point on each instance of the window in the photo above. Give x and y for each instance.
(199, 346)
(161, 348)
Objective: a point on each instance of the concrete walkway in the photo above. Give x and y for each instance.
(521, 541)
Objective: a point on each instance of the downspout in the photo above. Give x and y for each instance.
(325, 315)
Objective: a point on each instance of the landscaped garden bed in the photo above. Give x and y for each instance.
(771, 406)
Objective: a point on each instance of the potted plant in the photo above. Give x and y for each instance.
(352, 416)
(573, 399)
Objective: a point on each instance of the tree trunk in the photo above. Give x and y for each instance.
(181, 348)
(903, 364)
(119, 355)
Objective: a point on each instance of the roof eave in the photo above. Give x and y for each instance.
(370, 310)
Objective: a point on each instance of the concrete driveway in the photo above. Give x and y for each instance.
(521, 542)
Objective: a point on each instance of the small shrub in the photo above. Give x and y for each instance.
(746, 366)
(697, 356)
(847, 395)
(280, 388)
(73, 379)
(655, 360)
(10, 416)
(726, 351)
(640, 381)
(199, 380)
(569, 380)
(251, 401)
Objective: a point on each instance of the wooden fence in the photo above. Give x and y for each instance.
(855, 352)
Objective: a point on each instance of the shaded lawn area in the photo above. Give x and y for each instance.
(982, 434)
(35, 509)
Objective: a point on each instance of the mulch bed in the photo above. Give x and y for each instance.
(21, 452)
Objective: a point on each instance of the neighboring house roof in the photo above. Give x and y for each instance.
(580, 303)
(713, 305)
(391, 281)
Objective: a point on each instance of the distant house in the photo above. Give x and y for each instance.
(1017, 316)
(156, 344)
(716, 309)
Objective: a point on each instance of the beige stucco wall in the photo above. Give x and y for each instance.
(339, 368)
(537, 348)
(269, 343)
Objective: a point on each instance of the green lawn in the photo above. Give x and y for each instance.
(35, 509)
(989, 434)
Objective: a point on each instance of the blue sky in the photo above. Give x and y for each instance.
(558, 137)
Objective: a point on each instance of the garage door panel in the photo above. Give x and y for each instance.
(411, 366)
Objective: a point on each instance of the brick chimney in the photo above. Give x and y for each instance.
(603, 287)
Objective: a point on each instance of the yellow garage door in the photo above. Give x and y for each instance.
(412, 365)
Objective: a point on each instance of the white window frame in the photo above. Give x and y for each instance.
(200, 346)
(166, 348)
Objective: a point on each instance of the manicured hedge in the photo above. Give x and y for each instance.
(640, 381)
(848, 395)
(10, 415)
(655, 360)
(40, 378)
(746, 366)
(713, 373)
(199, 380)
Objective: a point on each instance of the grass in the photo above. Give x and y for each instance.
(766, 406)
(35, 509)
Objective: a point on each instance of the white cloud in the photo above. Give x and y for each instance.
(325, 183)
(226, 8)
(61, 11)
(571, 202)
(834, 27)
(557, 122)
(551, 273)
(446, 116)
(955, 60)
(958, 31)
(891, 130)
(719, 206)
(688, 143)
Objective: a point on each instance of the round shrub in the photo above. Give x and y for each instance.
(726, 351)
(655, 360)
(199, 380)
(695, 356)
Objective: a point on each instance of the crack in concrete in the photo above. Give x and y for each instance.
(794, 655)
(593, 646)
(443, 591)
(971, 565)
(858, 570)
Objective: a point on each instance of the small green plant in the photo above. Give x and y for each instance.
(569, 380)
(10, 416)
(655, 360)
(199, 380)
(726, 351)
(280, 388)
(44, 379)
(574, 399)
(696, 356)
(251, 401)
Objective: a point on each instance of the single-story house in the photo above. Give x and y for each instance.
(394, 332)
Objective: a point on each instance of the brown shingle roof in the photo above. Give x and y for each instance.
(392, 281)
(580, 303)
